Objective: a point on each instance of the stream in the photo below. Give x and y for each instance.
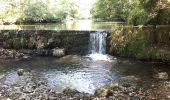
(88, 73)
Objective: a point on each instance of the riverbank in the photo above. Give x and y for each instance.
(42, 77)
(147, 43)
(125, 89)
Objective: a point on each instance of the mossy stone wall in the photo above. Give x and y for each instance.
(74, 42)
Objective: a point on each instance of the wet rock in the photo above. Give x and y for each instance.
(20, 72)
(27, 89)
(127, 81)
(41, 43)
(57, 52)
(44, 52)
(70, 58)
(1, 76)
(70, 92)
(52, 98)
(161, 75)
(39, 83)
(101, 92)
(9, 53)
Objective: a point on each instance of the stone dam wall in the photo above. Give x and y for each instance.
(74, 42)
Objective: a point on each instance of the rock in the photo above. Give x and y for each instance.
(127, 81)
(52, 98)
(58, 52)
(39, 83)
(101, 92)
(9, 53)
(20, 72)
(41, 42)
(27, 89)
(167, 84)
(44, 52)
(70, 58)
(162, 76)
(1, 76)
(70, 92)
(168, 97)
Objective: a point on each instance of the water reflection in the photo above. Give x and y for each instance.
(69, 25)
(84, 74)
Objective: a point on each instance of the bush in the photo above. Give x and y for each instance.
(20, 11)
(128, 41)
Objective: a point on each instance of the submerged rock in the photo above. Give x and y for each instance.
(127, 81)
(20, 72)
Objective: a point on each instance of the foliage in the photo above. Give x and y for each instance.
(133, 12)
(110, 10)
(130, 41)
(19, 11)
(127, 40)
(137, 15)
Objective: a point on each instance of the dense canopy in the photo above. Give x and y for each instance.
(133, 11)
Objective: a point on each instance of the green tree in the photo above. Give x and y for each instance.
(133, 12)
(20, 11)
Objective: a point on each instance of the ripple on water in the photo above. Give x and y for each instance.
(84, 75)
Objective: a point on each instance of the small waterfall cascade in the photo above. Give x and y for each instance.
(97, 43)
(97, 46)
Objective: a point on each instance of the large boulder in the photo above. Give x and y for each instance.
(58, 52)
(161, 75)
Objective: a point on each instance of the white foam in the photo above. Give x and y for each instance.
(98, 56)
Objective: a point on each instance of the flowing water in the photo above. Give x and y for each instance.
(84, 73)
(97, 46)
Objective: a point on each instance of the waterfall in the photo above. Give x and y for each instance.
(97, 43)
(97, 46)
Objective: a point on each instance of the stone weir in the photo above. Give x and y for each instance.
(46, 42)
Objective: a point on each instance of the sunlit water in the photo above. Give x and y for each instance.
(78, 72)
(71, 71)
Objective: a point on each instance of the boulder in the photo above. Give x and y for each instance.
(58, 52)
(101, 92)
(20, 72)
(161, 75)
